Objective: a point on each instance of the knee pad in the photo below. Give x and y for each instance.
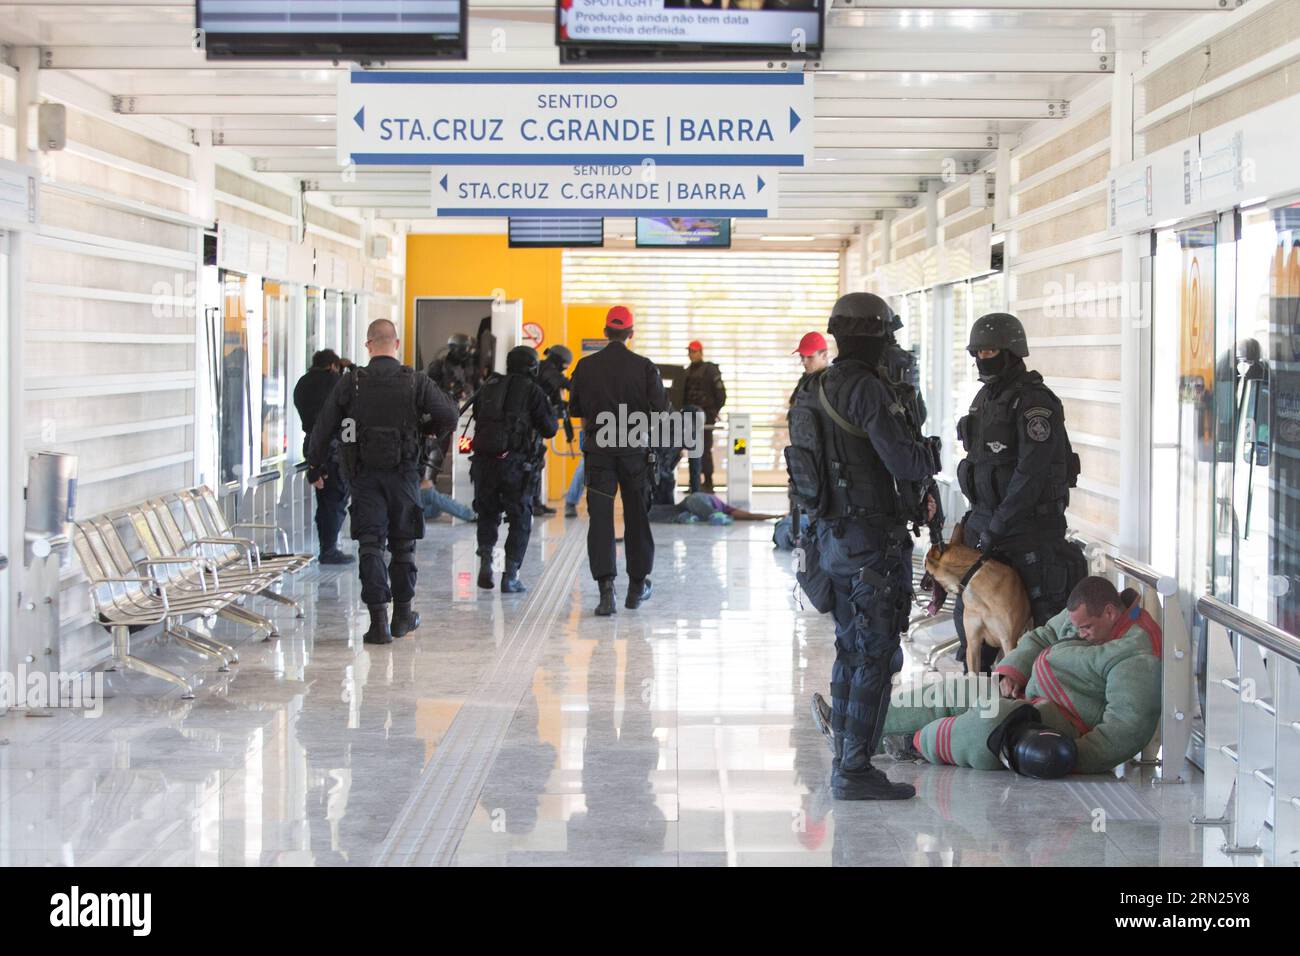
(403, 551)
(371, 545)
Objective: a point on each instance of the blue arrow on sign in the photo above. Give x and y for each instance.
(795, 119)
(761, 184)
(360, 118)
(443, 182)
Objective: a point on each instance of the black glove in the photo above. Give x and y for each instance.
(985, 544)
(315, 473)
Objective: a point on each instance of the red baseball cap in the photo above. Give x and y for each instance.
(619, 317)
(696, 346)
(811, 343)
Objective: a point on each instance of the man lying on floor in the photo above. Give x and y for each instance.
(700, 506)
(1081, 694)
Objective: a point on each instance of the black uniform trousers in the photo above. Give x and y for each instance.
(331, 504)
(503, 486)
(1048, 565)
(606, 475)
(386, 513)
(870, 571)
(706, 460)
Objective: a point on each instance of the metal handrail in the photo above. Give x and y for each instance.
(1163, 584)
(1250, 627)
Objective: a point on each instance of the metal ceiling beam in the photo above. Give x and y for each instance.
(991, 60)
(935, 139)
(871, 108)
(219, 105)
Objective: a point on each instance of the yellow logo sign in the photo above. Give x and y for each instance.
(738, 446)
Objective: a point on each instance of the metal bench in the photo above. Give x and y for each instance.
(230, 557)
(124, 603)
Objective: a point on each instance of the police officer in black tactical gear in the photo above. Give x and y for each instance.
(606, 388)
(1019, 469)
(379, 414)
(512, 420)
(861, 468)
(453, 370)
(309, 396)
(554, 383)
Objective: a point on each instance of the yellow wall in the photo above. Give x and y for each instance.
(479, 266)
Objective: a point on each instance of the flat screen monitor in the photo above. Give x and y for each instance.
(331, 29)
(683, 232)
(688, 30)
(559, 231)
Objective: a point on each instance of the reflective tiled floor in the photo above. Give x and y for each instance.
(521, 730)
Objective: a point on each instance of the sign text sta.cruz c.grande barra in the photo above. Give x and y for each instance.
(470, 118)
(605, 189)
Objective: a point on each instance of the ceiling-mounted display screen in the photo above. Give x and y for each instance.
(332, 29)
(688, 30)
(677, 232)
(558, 231)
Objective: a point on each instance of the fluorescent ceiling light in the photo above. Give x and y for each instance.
(786, 238)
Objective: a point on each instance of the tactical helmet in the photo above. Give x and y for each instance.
(998, 330)
(559, 355)
(522, 360)
(459, 341)
(861, 313)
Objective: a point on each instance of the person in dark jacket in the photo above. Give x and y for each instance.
(384, 409)
(512, 420)
(554, 383)
(704, 389)
(607, 388)
(309, 395)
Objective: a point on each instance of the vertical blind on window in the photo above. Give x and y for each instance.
(748, 309)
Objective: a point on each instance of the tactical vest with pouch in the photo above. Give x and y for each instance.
(385, 419)
(501, 419)
(990, 434)
(834, 469)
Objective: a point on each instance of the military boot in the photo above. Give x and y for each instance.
(608, 599)
(485, 572)
(853, 777)
(378, 633)
(637, 591)
(510, 583)
(404, 619)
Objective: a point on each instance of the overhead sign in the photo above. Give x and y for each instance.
(454, 118)
(604, 189)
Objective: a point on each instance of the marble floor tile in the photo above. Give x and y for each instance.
(520, 730)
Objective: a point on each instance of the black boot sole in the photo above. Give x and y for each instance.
(380, 639)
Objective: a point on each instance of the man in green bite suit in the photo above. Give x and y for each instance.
(1080, 694)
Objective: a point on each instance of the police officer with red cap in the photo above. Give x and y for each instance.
(606, 390)
(703, 388)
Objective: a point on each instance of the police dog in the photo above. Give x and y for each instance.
(994, 603)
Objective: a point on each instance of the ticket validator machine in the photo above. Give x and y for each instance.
(740, 458)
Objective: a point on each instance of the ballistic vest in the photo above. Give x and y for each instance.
(502, 422)
(835, 471)
(386, 421)
(991, 436)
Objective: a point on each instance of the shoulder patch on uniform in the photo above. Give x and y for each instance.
(897, 409)
(1038, 428)
(1038, 411)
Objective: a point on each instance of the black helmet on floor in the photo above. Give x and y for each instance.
(998, 330)
(458, 342)
(861, 313)
(559, 355)
(522, 360)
